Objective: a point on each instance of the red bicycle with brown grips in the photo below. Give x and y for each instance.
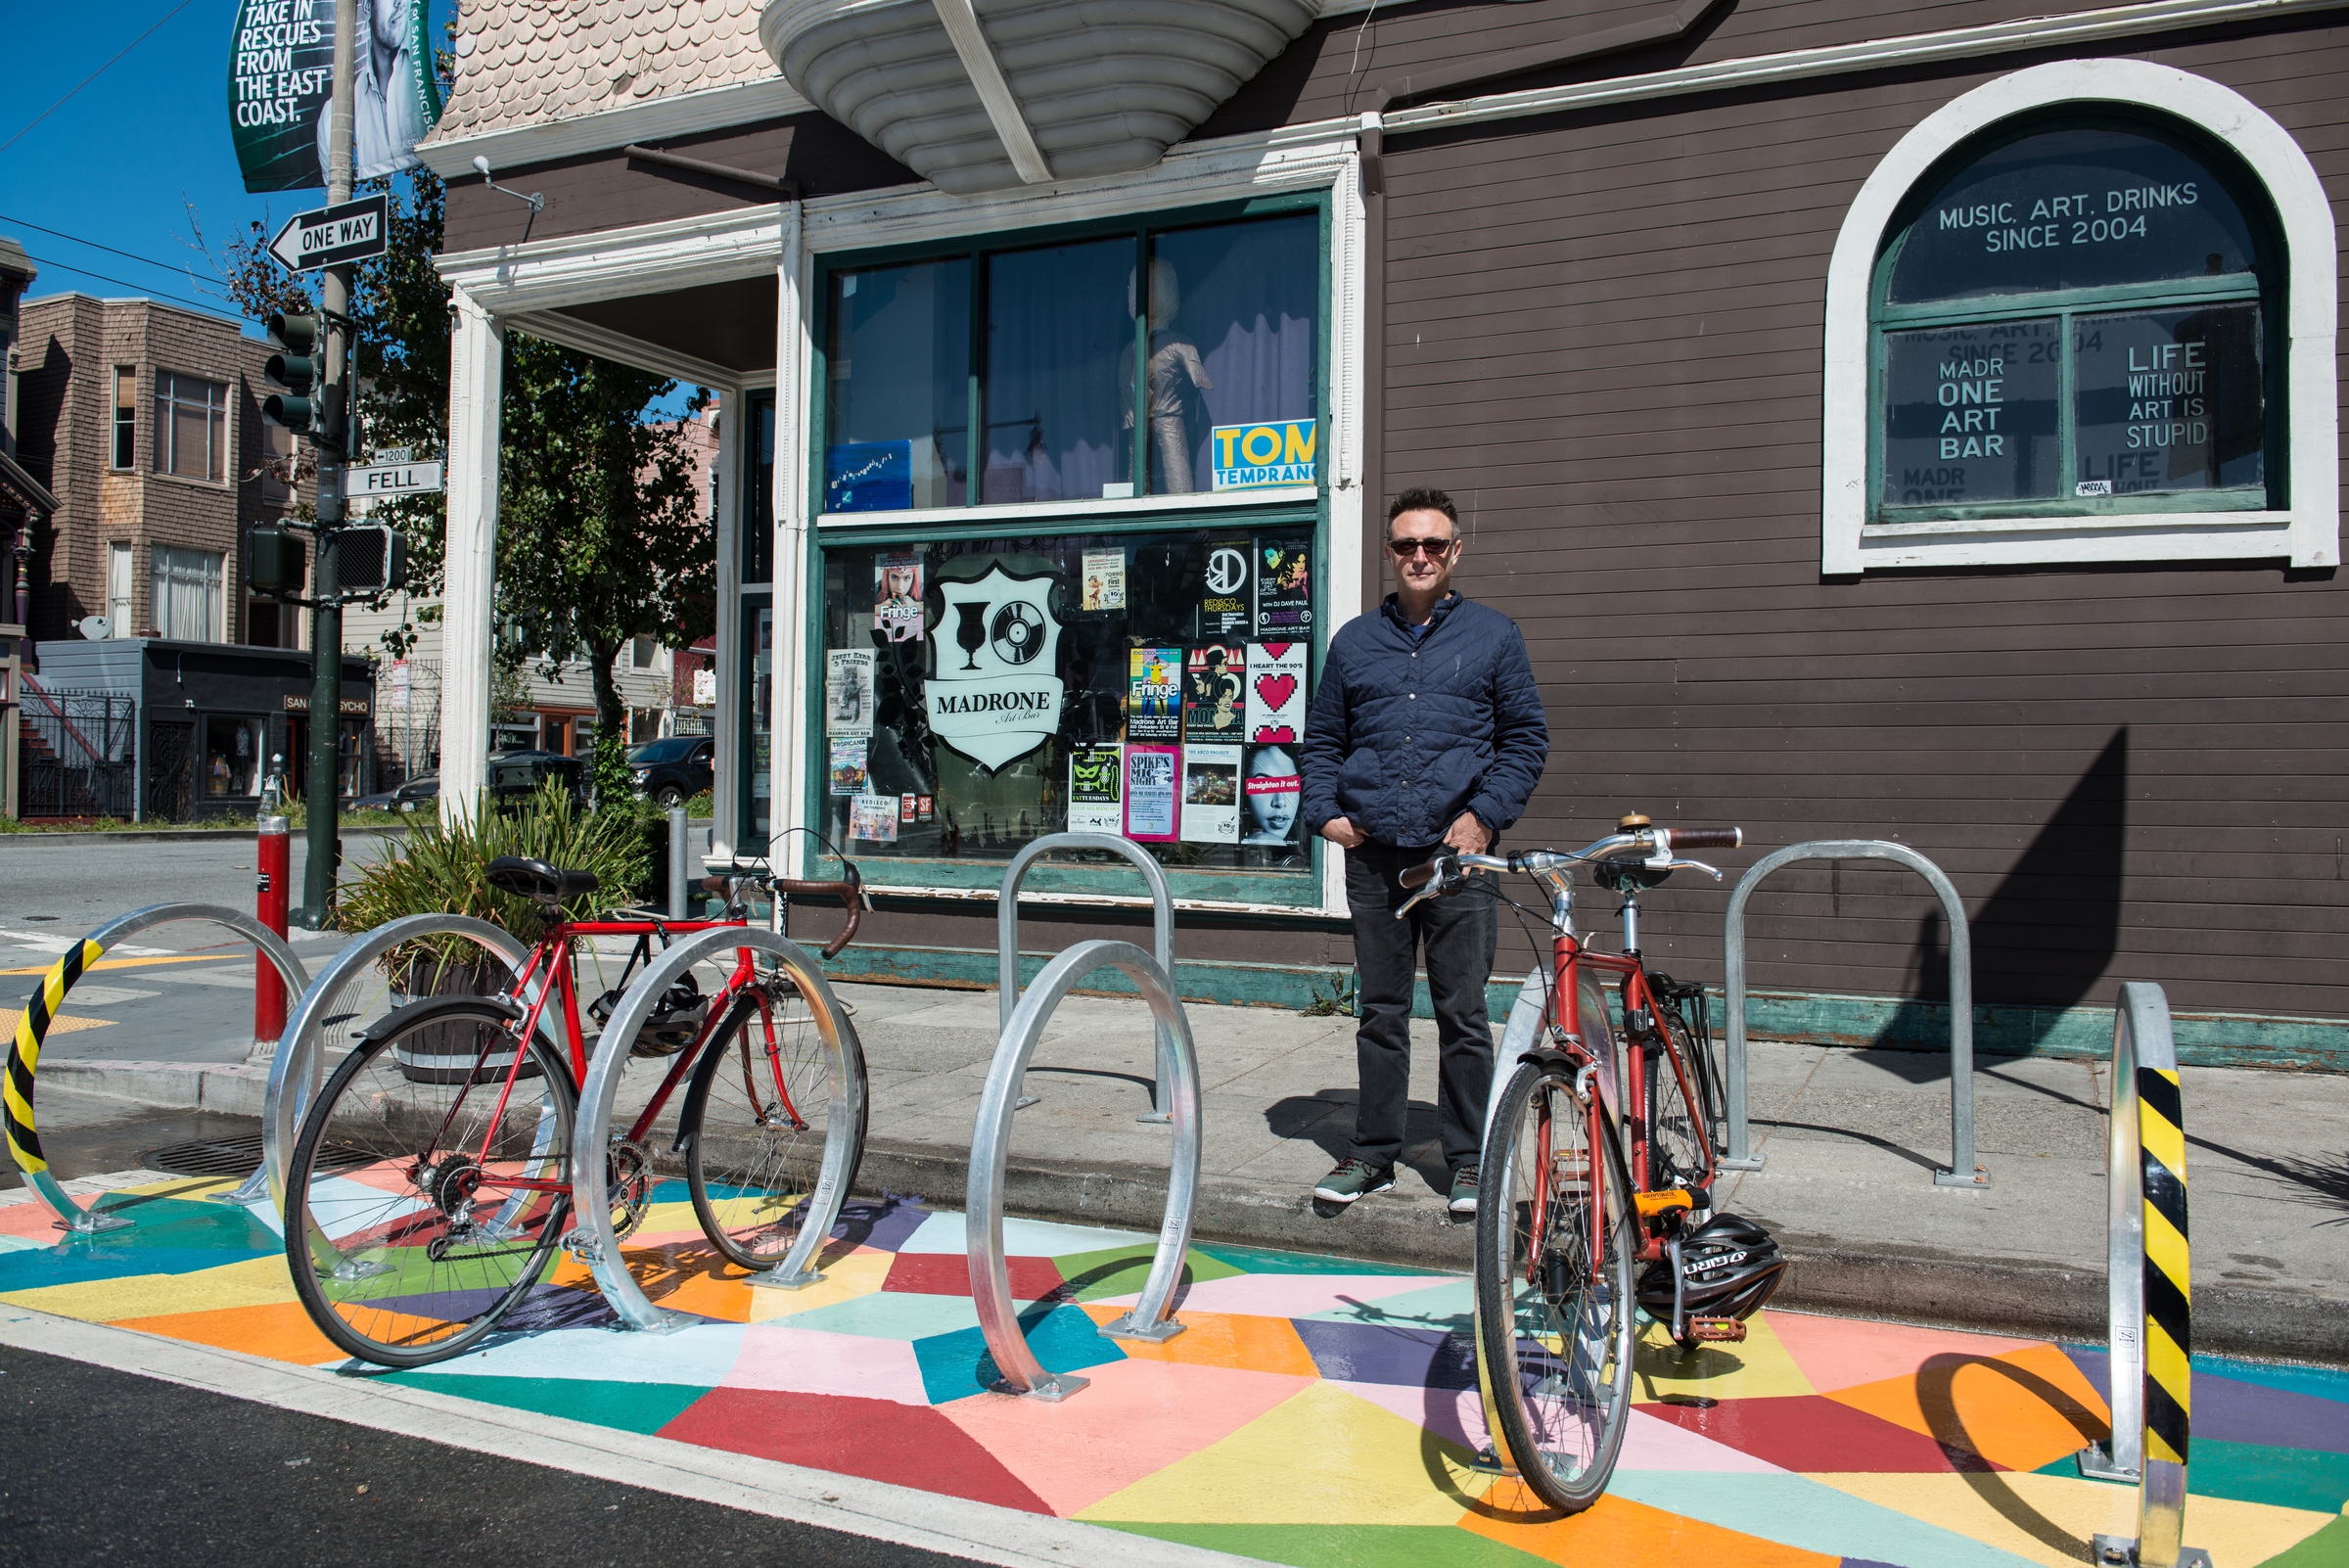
(431, 1184)
(1598, 1156)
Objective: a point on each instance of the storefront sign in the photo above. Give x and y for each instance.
(1150, 796)
(1276, 691)
(355, 706)
(1256, 457)
(997, 699)
(1210, 794)
(1096, 790)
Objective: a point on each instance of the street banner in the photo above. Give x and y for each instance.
(281, 75)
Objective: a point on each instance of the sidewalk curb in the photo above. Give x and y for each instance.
(238, 1089)
(174, 835)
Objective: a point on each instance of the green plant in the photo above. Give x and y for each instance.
(444, 868)
(1338, 1003)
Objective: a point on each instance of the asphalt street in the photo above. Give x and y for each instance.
(84, 884)
(102, 1466)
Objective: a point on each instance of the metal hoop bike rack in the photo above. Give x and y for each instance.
(1007, 937)
(298, 1072)
(593, 1238)
(2149, 1292)
(41, 1011)
(991, 1147)
(1963, 1171)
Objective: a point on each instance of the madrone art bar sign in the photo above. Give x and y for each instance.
(281, 73)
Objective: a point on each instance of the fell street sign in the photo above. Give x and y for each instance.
(332, 235)
(393, 479)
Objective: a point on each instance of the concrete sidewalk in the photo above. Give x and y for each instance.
(1851, 1140)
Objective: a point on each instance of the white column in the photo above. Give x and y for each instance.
(726, 721)
(476, 374)
(794, 614)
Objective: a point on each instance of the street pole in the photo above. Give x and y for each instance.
(322, 798)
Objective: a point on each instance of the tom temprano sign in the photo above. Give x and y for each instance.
(281, 68)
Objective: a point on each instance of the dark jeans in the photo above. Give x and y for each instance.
(1458, 935)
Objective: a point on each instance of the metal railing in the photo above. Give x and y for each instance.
(80, 756)
(1007, 937)
(1963, 1171)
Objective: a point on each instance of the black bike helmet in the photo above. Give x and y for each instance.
(676, 1018)
(1729, 1267)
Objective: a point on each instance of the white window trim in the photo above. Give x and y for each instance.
(2308, 534)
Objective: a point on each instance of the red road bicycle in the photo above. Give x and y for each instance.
(431, 1184)
(1577, 1189)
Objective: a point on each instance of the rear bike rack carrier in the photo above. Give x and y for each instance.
(991, 1147)
(593, 1238)
(2149, 1298)
(1963, 1172)
(1007, 938)
(40, 1012)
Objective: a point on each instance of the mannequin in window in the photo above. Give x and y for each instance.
(1178, 378)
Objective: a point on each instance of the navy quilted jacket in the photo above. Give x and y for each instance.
(1407, 732)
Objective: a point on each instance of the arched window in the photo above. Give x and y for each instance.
(2078, 320)
(2084, 312)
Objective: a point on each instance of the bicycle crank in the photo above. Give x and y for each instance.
(628, 1182)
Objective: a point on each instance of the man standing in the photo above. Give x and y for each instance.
(1426, 734)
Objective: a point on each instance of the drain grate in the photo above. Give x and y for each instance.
(234, 1156)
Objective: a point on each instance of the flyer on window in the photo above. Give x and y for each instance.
(1275, 692)
(1104, 580)
(898, 596)
(873, 818)
(1210, 794)
(1150, 793)
(1226, 604)
(847, 765)
(1096, 790)
(848, 692)
(1270, 788)
(1285, 588)
(1154, 694)
(1214, 691)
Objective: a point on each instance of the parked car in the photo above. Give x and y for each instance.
(515, 774)
(674, 769)
(413, 796)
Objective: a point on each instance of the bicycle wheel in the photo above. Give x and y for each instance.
(765, 1116)
(1684, 1016)
(1680, 1139)
(1555, 1245)
(408, 1228)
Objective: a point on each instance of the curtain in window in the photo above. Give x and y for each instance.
(1232, 337)
(191, 427)
(186, 586)
(1059, 372)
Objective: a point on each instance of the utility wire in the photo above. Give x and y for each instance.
(93, 76)
(126, 255)
(176, 298)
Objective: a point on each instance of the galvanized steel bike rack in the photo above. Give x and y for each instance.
(1007, 936)
(592, 1235)
(41, 1011)
(1963, 1171)
(991, 1147)
(2149, 1289)
(298, 1072)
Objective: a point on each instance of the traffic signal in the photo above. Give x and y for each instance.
(273, 562)
(369, 558)
(299, 367)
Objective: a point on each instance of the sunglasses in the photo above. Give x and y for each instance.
(1404, 549)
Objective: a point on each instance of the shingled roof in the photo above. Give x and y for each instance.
(536, 61)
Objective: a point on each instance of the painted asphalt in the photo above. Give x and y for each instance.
(1317, 1412)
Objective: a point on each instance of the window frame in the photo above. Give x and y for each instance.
(167, 401)
(215, 586)
(2302, 311)
(126, 433)
(1303, 507)
(2265, 287)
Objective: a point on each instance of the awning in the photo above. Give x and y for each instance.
(987, 95)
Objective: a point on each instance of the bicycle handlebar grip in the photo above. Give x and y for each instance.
(1420, 875)
(848, 890)
(1707, 838)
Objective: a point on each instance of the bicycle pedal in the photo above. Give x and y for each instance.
(1717, 1330)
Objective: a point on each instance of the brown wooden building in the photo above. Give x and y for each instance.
(1911, 423)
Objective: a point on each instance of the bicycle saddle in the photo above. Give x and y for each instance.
(536, 879)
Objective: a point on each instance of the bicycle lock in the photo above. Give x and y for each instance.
(2149, 1293)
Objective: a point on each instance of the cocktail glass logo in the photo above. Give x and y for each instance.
(994, 697)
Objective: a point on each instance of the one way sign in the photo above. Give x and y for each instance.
(332, 235)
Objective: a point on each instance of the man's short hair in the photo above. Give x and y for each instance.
(1422, 499)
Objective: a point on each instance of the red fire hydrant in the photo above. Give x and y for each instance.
(269, 987)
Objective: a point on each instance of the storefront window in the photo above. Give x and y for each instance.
(758, 488)
(2076, 321)
(980, 694)
(759, 756)
(1037, 346)
(234, 752)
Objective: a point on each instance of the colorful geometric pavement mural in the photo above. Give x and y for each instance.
(1317, 1412)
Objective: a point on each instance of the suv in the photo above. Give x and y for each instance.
(674, 769)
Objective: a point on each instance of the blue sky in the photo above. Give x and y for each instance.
(120, 161)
